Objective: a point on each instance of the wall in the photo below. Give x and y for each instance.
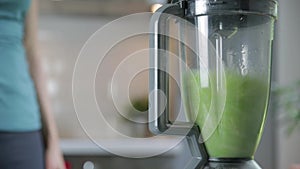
(61, 38)
(94, 7)
(287, 62)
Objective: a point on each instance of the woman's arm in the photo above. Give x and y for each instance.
(53, 155)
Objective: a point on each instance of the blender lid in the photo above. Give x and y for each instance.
(210, 7)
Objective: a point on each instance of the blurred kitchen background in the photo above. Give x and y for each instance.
(65, 26)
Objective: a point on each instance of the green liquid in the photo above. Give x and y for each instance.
(230, 120)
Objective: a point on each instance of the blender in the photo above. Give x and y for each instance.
(224, 52)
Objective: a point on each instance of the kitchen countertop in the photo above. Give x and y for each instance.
(123, 147)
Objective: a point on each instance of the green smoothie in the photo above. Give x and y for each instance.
(230, 115)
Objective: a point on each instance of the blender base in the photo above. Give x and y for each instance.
(231, 163)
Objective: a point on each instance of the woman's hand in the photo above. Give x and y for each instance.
(53, 156)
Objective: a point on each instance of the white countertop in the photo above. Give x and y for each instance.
(122, 147)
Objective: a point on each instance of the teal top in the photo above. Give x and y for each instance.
(19, 110)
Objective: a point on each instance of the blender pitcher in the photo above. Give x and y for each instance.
(224, 52)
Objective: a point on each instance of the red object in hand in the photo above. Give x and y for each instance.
(68, 165)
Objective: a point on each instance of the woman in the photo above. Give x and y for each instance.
(24, 105)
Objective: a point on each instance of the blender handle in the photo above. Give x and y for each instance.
(159, 122)
(158, 104)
